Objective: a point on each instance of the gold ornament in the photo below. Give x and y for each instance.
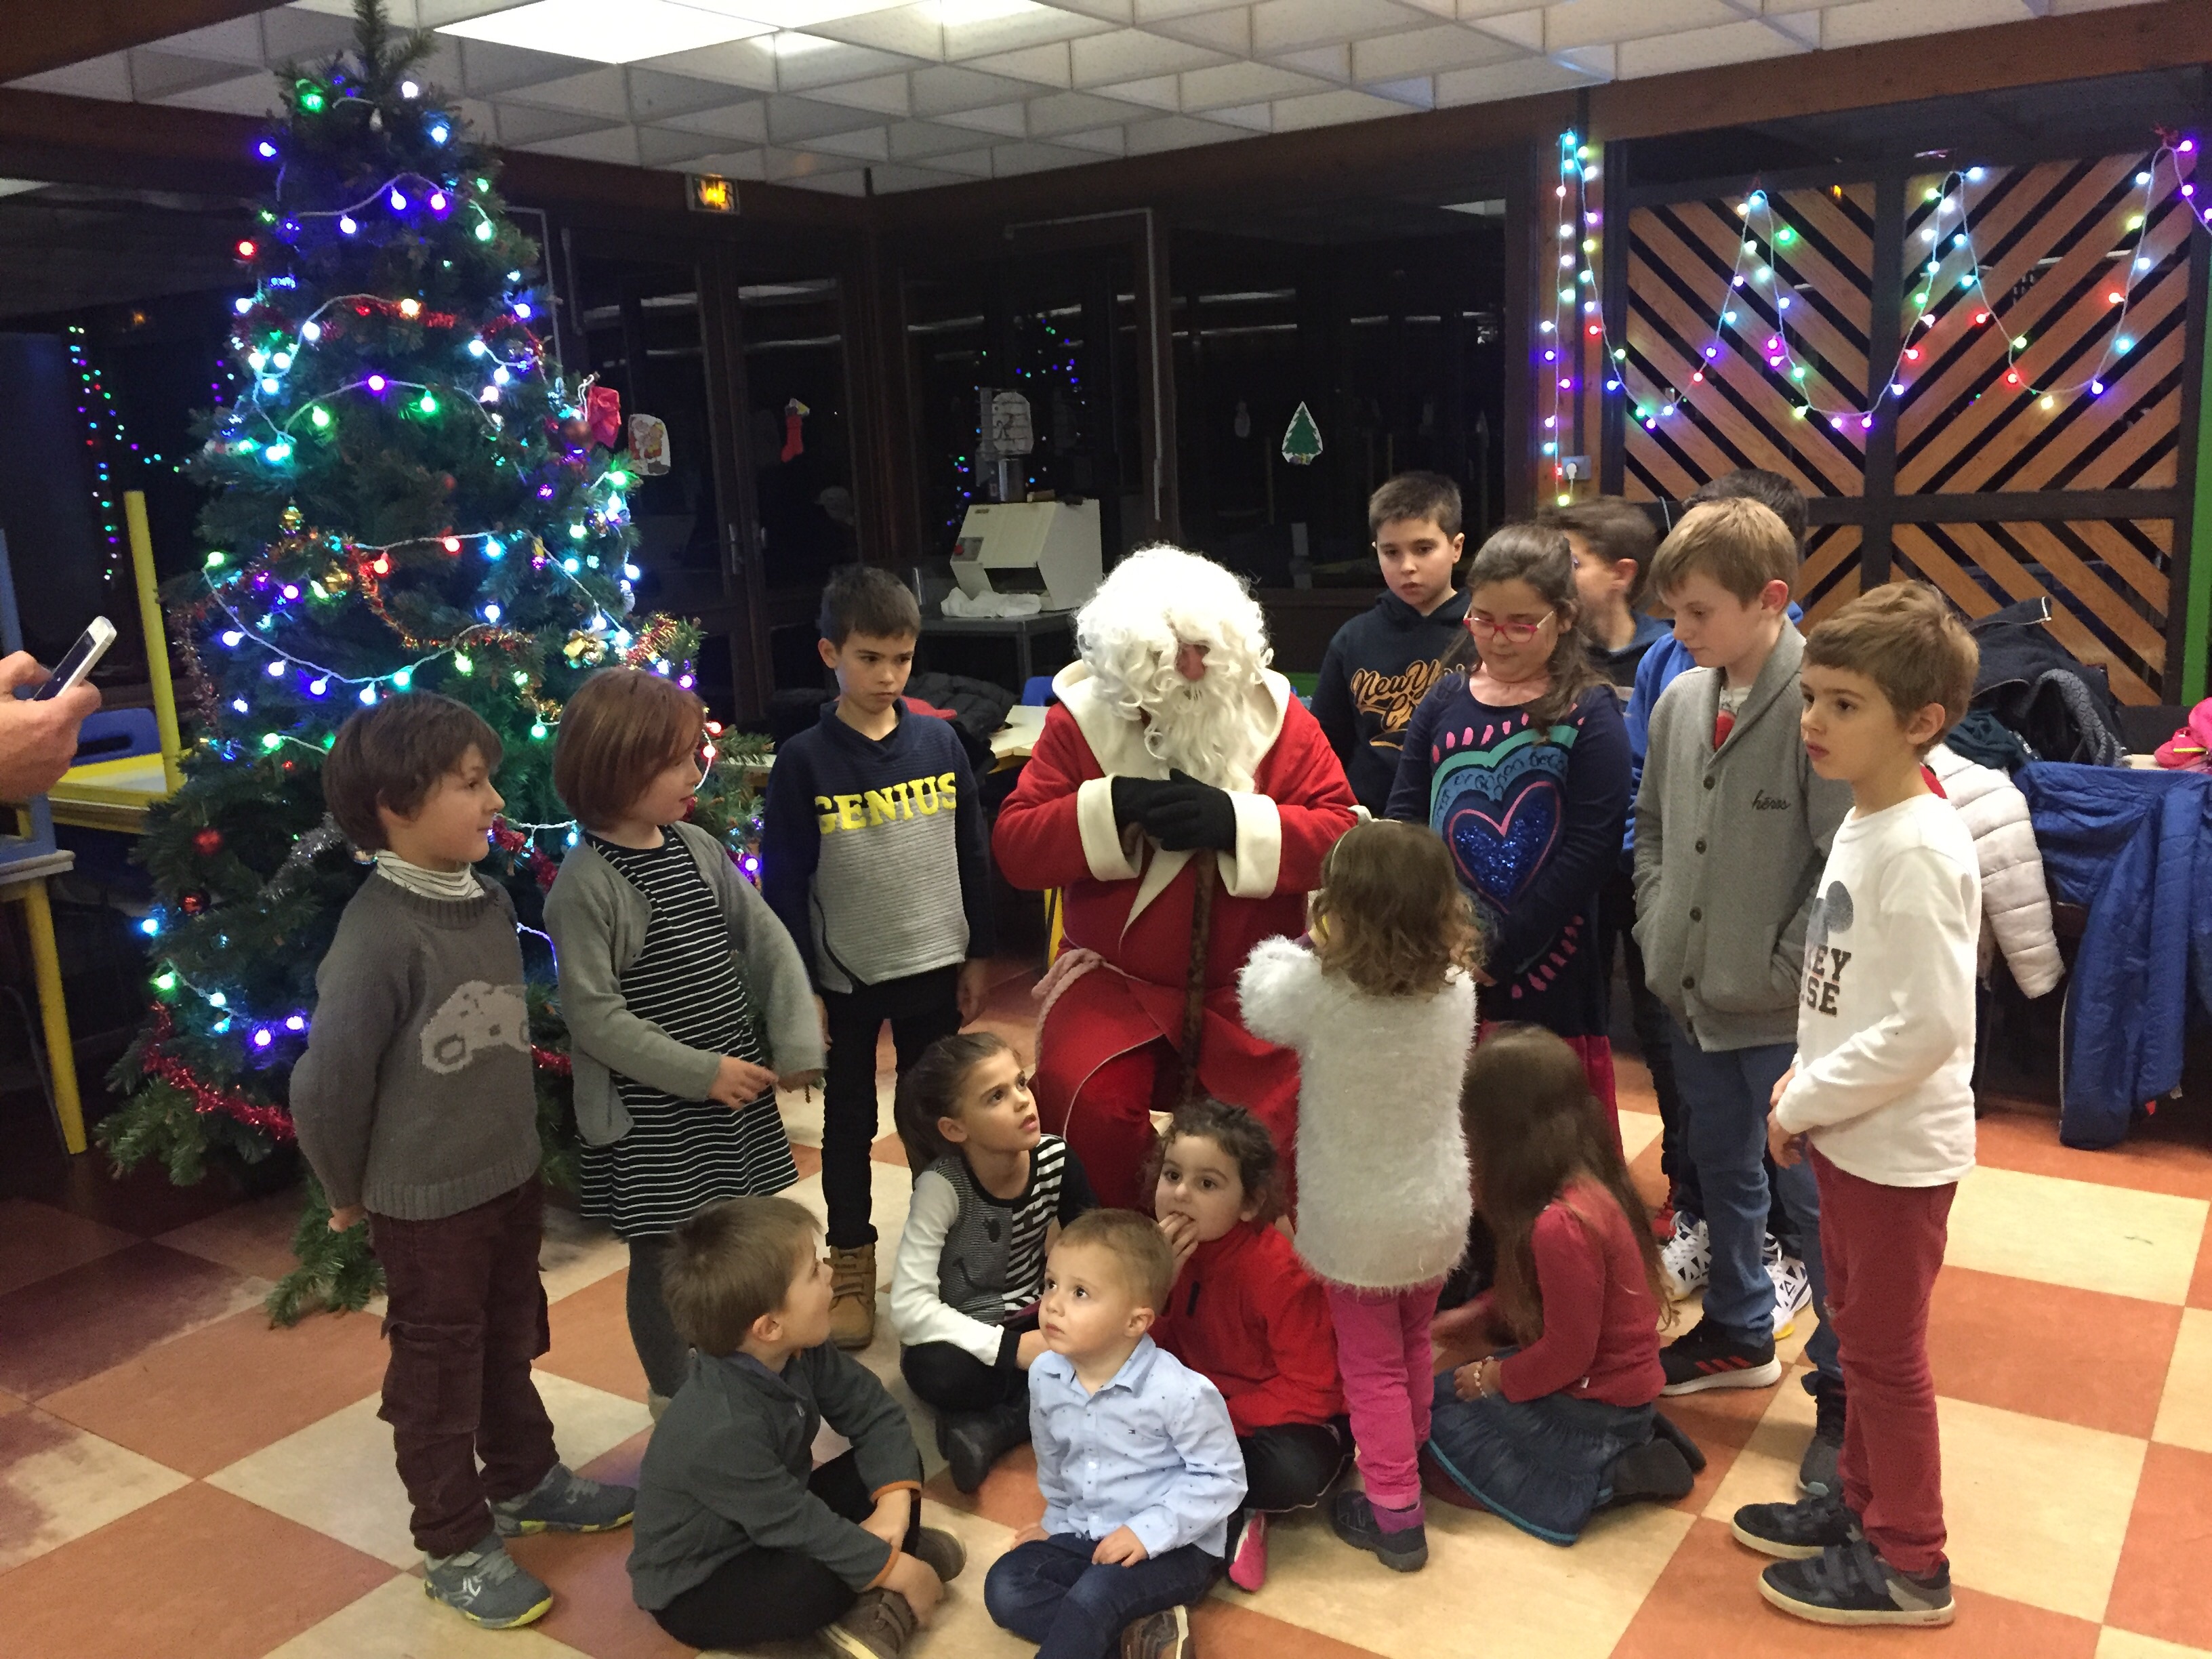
(584, 648)
(292, 518)
(338, 579)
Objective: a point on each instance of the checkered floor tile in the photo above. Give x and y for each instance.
(177, 1478)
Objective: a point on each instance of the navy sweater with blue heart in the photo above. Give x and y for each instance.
(1533, 821)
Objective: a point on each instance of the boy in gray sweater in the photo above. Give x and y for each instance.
(1732, 829)
(416, 1107)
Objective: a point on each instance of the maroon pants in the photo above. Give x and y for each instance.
(466, 1315)
(1884, 1246)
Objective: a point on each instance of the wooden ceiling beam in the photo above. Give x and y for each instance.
(70, 33)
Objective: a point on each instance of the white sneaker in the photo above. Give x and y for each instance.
(1687, 1256)
(1793, 1287)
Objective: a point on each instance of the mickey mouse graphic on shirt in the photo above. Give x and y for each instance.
(478, 1016)
(1825, 961)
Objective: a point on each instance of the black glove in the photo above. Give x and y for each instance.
(1133, 799)
(1187, 815)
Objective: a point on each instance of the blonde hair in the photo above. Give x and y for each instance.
(1141, 1252)
(1390, 916)
(1909, 643)
(1741, 544)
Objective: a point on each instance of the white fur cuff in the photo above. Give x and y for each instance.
(1103, 848)
(1253, 869)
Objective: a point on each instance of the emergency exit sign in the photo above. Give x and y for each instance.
(712, 193)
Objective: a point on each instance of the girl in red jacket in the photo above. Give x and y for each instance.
(1246, 1314)
(1543, 1433)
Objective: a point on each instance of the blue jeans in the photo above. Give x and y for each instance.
(1725, 1095)
(1050, 1592)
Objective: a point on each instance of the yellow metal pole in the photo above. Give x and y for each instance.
(157, 650)
(46, 962)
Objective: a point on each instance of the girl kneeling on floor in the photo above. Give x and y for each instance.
(970, 1268)
(1546, 1433)
(1247, 1315)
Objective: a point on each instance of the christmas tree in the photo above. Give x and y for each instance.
(407, 492)
(1301, 441)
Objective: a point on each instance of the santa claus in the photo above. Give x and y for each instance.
(1181, 797)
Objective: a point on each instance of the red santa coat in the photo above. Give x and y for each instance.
(1129, 901)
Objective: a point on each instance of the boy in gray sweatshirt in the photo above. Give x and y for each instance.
(1732, 830)
(415, 1105)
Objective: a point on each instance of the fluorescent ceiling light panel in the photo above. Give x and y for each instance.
(797, 14)
(954, 12)
(604, 33)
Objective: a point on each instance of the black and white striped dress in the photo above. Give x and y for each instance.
(682, 1155)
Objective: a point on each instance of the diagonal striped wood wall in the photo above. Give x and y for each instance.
(1961, 445)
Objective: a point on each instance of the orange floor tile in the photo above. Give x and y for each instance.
(179, 1479)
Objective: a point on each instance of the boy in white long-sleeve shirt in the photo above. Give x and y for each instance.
(1882, 1100)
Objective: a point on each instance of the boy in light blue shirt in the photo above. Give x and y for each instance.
(1136, 1458)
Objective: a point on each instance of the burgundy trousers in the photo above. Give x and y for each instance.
(1884, 1246)
(465, 1317)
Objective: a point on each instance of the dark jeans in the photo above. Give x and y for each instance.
(1648, 1018)
(466, 1315)
(1050, 1592)
(949, 1378)
(1290, 1465)
(921, 1009)
(665, 1356)
(777, 1595)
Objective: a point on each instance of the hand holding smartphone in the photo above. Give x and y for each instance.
(91, 645)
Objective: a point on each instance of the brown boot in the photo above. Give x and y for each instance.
(852, 1297)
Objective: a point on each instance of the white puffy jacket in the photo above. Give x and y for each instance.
(2015, 902)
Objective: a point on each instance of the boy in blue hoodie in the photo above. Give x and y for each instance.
(1381, 664)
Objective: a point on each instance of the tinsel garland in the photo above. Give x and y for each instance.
(207, 1099)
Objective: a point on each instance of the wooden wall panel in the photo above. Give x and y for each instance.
(1829, 577)
(2055, 243)
(2107, 577)
(1736, 410)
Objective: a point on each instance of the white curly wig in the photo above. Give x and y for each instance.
(1159, 599)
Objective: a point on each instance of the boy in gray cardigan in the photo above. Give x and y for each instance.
(416, 1106)
(740, 1540)
(1732, 829)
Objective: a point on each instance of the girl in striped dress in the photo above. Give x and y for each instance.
(686, 1001)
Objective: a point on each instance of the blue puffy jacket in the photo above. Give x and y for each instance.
(2136, 848)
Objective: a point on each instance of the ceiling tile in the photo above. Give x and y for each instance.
(1731, 43)
(654, 95)
(869, 144)
(1242, 83)
(734, 164)
(1281, 26)
(1253, 117)
(969, 163)
(886, 95)
(1029, 28)
(617, 145)
(734, 64)
(1428, 52)
(794, 120)
(1522, 26)
(1167, 132)
(1330, 109)
(602, 91)
(1010, 161)
(1148, 12)
(159, 75)
(822, 62)
(1414, 92)
(795, 166)
(1601, 22)
(661, 147)
(1104, 140)
(524, 124)
(918, 140)
(253, 95)
(894, 179)
(1046, 66)
(488, 68)
(292, 34)
(1131, 54)
(943, 87)
(1225, 31)
(237, 41)
(1892, 20)
(1521, 79)
(1329, 62)
(745, 121)
(1001, 120)
(1154, 91)
(910, 31)
(96, 77)
(1079, 111)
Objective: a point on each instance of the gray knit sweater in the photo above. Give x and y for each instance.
(415, 1097)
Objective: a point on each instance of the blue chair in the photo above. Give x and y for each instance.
(117, 734)
(1036, 692)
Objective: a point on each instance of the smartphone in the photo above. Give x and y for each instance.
(91, 645)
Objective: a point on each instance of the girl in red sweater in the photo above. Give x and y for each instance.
(1543, 1433)
(1246, 1315)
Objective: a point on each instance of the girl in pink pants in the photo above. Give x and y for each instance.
(1379, 1005)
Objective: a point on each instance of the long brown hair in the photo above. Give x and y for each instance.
(1391, 916)
(1533, 1129)
(1538, 556)
(932, 1088)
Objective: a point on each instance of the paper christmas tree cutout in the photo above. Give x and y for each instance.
(1302, 443)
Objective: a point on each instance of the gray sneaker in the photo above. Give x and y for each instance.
(485, 1587)
(877, 1626)
(565, 1502)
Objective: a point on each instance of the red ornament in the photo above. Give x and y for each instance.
(194, 904)
(210, 841)
(603, 415)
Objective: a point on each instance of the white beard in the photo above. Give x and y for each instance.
(1204, 727)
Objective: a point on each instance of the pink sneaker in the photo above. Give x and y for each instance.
(1247, 1569)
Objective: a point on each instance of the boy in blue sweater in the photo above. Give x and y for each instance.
(874, 854)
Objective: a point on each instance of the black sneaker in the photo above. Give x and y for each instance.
(1405, 1550)
(1709, 1358)
(1850, 1585)
(1816, 1474)
(1795, 1531)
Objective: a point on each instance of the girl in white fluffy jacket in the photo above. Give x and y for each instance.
(1381, 1010)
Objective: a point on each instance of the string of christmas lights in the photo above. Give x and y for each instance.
(110, 444)
(1759, 284)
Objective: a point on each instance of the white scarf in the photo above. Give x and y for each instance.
(449, 884)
